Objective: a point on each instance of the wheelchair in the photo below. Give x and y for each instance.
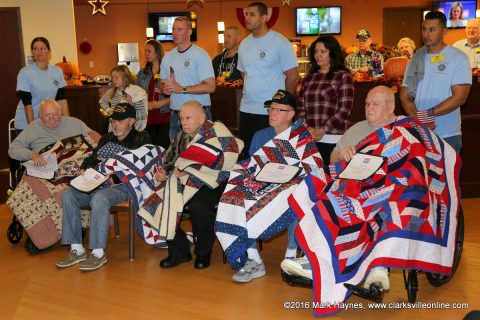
(375, 292)
(15, 229)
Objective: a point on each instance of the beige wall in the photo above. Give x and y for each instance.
(126, 21)
(52, 19)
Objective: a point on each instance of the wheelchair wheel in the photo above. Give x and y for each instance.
(14, 232)
(411, 284)
(438, 280)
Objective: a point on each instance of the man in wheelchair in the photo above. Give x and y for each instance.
(404, 215)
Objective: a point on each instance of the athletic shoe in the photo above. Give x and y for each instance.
(93, 263)
(251, 270)
(379, 276)
(71, 259)
(297, 267)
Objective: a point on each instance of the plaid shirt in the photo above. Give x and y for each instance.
(356, 60)
(326, 101)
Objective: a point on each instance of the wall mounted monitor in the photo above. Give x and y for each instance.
(314, 21)
(162, 23)
(451, 9)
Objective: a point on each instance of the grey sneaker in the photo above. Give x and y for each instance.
(71, 259)
(297, 267)
(93, 263)
(251, 270)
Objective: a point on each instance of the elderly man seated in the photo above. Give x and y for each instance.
(34, 201)
(50, 128)
(124, 136)
(251, 209)
(350, 228)
(193, 170)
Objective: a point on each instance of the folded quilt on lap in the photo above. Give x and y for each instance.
(251, 210)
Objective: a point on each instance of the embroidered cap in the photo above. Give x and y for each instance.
(283, 97)
(363, 33)
(123, 111)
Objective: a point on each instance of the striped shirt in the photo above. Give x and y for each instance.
(472, 51)
(326, 101)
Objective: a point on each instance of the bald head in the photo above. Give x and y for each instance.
(380, 106)
(192, 117)
(233, 37)
(50, 113)
(473, 31)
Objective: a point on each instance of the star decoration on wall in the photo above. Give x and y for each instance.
(284, 2)
(98, 6)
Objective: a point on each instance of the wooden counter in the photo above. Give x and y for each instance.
(83, 104)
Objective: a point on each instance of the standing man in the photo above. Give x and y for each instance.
(471, 44)
(267, 63)
(365, 59)
(187, 73)
(437, 82)
(225, 64)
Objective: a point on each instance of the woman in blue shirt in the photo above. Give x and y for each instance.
(37, 82)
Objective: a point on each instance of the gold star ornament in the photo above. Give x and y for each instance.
(98, 6)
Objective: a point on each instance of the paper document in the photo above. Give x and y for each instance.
(277, 173)
(361, 167)
(90, 180)
(44, 172)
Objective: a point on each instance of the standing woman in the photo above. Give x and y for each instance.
(325, 100)
(123, 90)
(37, 82)
(158, 123)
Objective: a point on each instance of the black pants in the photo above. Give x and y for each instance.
(325, 150)
(202, 208)
(250, 123)
(159, 134)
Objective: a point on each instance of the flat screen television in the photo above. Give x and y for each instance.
(162, 23)
(467, 10)
(314, 21)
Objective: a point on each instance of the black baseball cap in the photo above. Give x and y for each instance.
(122, 111)
(363, 33)
(282, 97)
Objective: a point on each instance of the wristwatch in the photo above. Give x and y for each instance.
(184, 90)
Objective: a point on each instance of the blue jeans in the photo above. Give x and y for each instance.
(175, 125)
(292, 243)
(455, 142)
(100, 201)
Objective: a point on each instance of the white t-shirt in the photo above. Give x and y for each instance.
(42, 84)
(264, 61)
(436, 86)
(190, 68)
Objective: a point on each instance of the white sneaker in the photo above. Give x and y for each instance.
(378, 275)
(297, 267)
(251, 270)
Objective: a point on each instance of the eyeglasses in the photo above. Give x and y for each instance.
(276, 110)
(51, 115)
(40, 49)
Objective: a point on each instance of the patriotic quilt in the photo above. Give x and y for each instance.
(136, 168)
(37, 203)
(251, 210)
(207, 161)
(404, 216)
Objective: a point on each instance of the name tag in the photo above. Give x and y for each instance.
(438, 58)
(477, 50)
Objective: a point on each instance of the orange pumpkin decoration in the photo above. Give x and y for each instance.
(350, 50)
(70, 69)
(395, 67)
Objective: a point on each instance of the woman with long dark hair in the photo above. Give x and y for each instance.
(325, 100)
(37, 82)
(158, 122)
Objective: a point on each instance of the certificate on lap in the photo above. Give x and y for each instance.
(277, 173)
(361, 167)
